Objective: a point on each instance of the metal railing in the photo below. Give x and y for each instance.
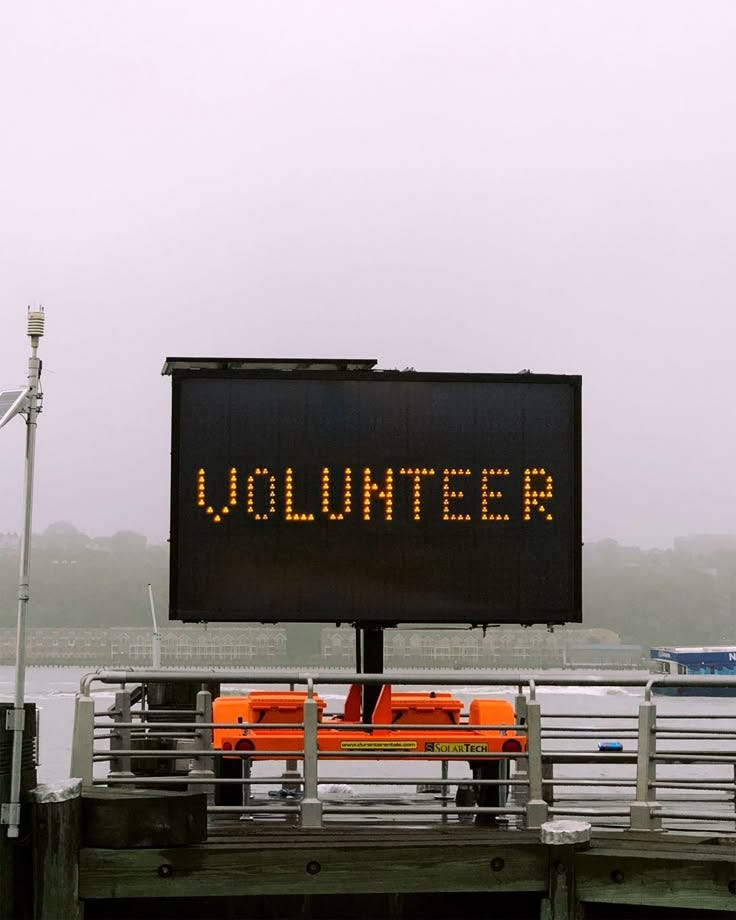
(670, 766)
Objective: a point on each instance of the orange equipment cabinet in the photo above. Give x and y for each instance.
(265, 707)
(425, 709)
(491, 712)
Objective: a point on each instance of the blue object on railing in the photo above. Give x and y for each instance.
(610, 747)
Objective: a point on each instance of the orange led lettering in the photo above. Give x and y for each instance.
(289, 512)
(250, 507)
(491, 493)
(416, 473)
(538, 489)
(202, 500)
(449, 494)
(386, 494)
(347, 492)
(258, 494)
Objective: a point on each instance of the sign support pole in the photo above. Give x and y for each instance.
(369, 660)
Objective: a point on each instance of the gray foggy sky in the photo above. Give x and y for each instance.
(481, 186)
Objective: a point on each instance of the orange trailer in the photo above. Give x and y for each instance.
(418, 725)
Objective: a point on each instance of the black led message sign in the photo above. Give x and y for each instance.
(373, 496)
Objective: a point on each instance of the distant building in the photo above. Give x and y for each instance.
(133, 646)
(604, 655)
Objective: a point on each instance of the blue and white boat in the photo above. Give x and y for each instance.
(704, 660)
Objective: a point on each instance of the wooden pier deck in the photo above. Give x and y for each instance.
(351, 867)
(485, 867)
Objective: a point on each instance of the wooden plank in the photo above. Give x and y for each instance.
(660, 850)
(250, 834)
(312, 869)
(142, 818)
(701, 884)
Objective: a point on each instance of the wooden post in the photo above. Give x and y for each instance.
(56, 817)
(563, 838)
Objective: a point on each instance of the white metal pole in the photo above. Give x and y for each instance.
(15, 718)
(156, 633)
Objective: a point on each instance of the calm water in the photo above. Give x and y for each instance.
(53, 690)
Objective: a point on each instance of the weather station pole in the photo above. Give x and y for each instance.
(27, 403)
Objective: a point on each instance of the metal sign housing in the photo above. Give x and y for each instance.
(313, 491)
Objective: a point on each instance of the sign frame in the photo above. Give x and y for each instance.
(182, 369)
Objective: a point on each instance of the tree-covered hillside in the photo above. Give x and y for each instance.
(684, 595)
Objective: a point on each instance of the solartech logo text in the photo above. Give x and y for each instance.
(455, 747)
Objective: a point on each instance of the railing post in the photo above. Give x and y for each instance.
(536, 807)
(83, 739)
(520, 794)
(311, 807)
(202, 766)
(641, 816)
(120, 740)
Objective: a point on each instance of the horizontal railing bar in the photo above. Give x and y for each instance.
(140, 753)
(622, 717)
(186, 781)
(365, 810)
(621, 798)
(693, 784)
(143, 714)
(603, 812)
(413, 678)
(585, 734)
(326, 726)
(323, 781)
(588, 756)
(279, 808)
(178, 736)
(712, 734)
(585, 781)
(101, 755)
(573, 729)
(147, 714)
(700, 715)
(703, 815)
(420, 810)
